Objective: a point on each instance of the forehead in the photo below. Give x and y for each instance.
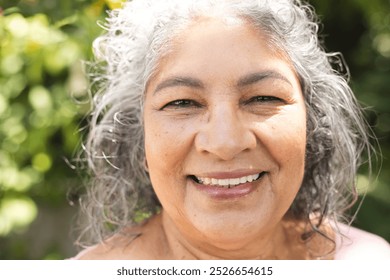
(216, 27)
(213, 46)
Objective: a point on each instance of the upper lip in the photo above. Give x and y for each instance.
(228, 175)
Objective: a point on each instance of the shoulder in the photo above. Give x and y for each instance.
(357, 244)
(133, 243)
(113, 248)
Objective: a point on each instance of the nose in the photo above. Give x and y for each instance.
(225, 134)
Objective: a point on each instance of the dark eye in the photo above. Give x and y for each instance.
(264, 99)
(181, 103)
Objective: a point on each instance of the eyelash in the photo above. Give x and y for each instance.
(187, 103)
(181, 103)
(263, 99)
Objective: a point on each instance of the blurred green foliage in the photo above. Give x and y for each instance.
(44, 97)
(42, 101)
(360, 30)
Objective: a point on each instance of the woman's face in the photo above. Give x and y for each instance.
(225, 133)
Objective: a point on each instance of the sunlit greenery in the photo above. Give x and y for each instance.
(43, 101)
(361, 31)
(43, 88)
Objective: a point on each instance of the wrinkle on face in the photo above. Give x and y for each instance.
(220, 71)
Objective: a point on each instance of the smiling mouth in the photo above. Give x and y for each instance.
(227, 183)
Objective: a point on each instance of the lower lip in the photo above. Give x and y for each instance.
(222, 193)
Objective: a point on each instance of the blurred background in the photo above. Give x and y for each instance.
(44, 100)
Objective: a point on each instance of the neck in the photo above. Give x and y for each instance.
(276, 243)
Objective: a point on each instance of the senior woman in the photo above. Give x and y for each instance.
(221, 131)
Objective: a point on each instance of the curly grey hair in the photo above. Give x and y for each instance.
(127, 54)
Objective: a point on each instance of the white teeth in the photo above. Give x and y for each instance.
(227, 183)
(223, 182)
(207, 181)
(234, 181)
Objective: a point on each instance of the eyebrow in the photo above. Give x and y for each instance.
(260, 76)
(247, 80)
(179, 82)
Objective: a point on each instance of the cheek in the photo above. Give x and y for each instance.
(161, 139)
(166, 146)
(286, 143)
(157, 148)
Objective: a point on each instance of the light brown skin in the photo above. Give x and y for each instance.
(222, 132)
(149, 242)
